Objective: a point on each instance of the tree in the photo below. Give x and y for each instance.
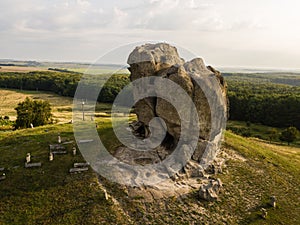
(273, 135)
(29, 112)
(289, 135)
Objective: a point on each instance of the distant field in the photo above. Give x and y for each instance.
(94, 70)
(98, 71)
(61, 106)
(21, 69)
(257, 131)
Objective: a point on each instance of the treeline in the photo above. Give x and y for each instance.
(292, 79)
(254, 99)
(62, 70)
(262, 102)
(63, 83)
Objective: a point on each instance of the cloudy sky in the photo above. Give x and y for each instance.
(259, 33)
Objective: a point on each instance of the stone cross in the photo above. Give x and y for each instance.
(264, 213)
(28, 158)
(273, 201)
(50, 156)
(105, 194)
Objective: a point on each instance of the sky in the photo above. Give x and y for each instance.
(232, 33)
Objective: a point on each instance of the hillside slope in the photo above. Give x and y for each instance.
(254, 171)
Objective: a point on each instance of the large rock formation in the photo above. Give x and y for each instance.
(170, 155)
(162, 60)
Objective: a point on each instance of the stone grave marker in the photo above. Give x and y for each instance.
(51, 156)
(28, 158)
(3, 176)
(30, 165)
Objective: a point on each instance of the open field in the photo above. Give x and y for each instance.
(258, 131)
(99, 70)
(75, 67)
(21, 69)
(61, 106)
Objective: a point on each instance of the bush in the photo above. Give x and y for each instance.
(29, 112)
(289, 135)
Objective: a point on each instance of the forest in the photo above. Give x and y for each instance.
(64, 83)
(268, 99)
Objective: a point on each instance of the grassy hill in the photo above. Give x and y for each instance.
(255, 170)
(50, 195)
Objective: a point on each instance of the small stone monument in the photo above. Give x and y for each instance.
(31, 125)
(264, 213)
(273, 201)
(105, 194)
(28, 158)
(3, 176)
(74, 150)
(50, 157)
(59, 139)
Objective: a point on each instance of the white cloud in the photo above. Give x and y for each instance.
(227, 27)
(83, 3)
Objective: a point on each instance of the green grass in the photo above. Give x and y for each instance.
(48, 195)
(258, 131)
(98, 71)
(269, 170)
(10, 98)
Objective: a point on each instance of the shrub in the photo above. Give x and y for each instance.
(29, 112)
(289, 135)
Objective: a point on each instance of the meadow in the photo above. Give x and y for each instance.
(61, 106)
(255, 170)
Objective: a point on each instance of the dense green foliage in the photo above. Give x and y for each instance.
(289, 134)
(29, 112)
(65, 83)
(5, 123)
(267, 133)
(292, 79)
(61, 83)
(269, 99)
(257, 100)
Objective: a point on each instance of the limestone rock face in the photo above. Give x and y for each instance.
(156, 56)
(162, 60)
(148, 60)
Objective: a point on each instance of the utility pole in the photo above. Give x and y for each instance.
(82, 104)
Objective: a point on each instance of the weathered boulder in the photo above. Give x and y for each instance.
(148, 60)
(210, 191)
(162, 60)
